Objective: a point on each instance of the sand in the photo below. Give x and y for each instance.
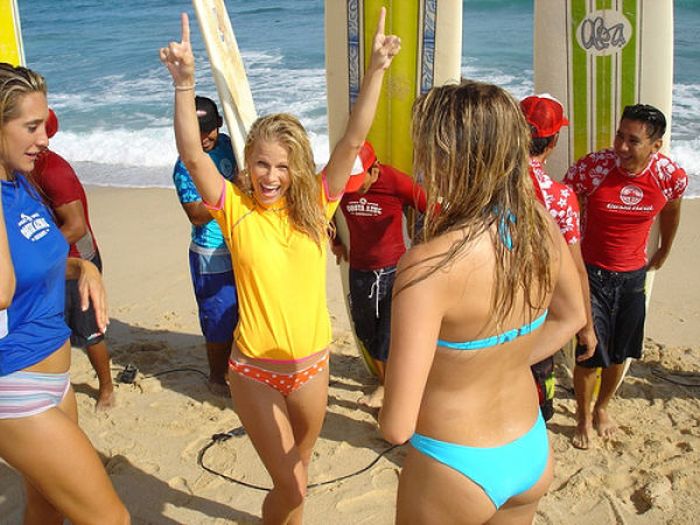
(150, 442)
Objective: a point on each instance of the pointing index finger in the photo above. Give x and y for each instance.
(382, 18)
(185, 27)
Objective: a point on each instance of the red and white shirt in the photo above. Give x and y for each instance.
(620, 207)
(560, 201)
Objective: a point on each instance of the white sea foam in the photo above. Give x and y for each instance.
(151, 147)
(518, 86)
(131, 158)
(687, 154)
(140, 150)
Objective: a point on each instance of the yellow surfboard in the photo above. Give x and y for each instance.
(11, 48)
(228, 71)
(431, 49)
(598, 56)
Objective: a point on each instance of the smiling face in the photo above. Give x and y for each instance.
(209, 139)
(633, 146)
(24, 136)
(269, 171)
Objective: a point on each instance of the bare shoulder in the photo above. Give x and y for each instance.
(429, 265)
(417, 267)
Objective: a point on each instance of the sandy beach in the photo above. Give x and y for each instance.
(151, 441)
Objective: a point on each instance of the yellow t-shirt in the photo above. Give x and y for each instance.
(280, 278)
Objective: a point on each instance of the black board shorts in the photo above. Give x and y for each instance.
(618, 304)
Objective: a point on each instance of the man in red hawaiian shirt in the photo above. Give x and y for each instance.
(545, 115)
(622, 189)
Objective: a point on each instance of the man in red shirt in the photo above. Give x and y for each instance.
(545, 115)
(374, 215)
(622, 191)
(60, 187)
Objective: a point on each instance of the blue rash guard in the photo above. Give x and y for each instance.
(207, 235)
(33, 327)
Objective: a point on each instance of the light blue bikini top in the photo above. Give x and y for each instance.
(495, 340)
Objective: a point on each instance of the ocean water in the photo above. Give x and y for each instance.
(114, 98)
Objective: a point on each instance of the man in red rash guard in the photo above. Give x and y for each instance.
(622, 190)
(545, 115)
(64, 194)
(374, 215)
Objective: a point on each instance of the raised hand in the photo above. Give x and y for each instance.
(178, 57)
(384, 47)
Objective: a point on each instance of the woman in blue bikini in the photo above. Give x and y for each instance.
(490, 290)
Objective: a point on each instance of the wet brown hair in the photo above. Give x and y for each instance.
(471, 154)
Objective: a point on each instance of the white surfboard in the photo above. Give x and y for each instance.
(11, 47)
(598, 56)
(431, 50)
(228, 71)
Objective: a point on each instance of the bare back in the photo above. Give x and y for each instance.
(481, 397)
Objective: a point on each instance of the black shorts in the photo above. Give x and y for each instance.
(83, 326)
(618, 303)
(370, 307)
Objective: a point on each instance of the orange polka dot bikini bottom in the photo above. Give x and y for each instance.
(285, 384)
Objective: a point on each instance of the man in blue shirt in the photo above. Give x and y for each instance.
(210, 260)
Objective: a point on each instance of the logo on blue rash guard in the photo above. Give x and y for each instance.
(33, 226)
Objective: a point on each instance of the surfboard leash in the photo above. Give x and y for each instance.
(240, 431)
(667, 377)
(129, 375)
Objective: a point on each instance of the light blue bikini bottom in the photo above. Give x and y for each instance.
(502, 472)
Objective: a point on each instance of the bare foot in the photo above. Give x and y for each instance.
(373, 400)
(583, 434)
(105, 400)
(219, 389)
(605, 426)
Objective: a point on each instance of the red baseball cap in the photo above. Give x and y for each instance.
(544, 113)
(363, 162)
(51, 124)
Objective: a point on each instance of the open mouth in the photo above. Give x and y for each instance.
(270, 190)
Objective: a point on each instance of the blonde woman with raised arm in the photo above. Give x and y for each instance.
(277, 232)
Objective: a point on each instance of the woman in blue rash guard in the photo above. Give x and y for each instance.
(39, 433)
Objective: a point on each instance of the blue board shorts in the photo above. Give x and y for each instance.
(215, 291)
(618, 304)
(83, 326)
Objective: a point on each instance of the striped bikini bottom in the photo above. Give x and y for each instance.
(24, 394)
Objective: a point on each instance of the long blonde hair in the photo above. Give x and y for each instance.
(471, 153)
(302, 196)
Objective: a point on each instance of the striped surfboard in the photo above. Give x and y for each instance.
(431, 45)
(431, 49)
(598, 56)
